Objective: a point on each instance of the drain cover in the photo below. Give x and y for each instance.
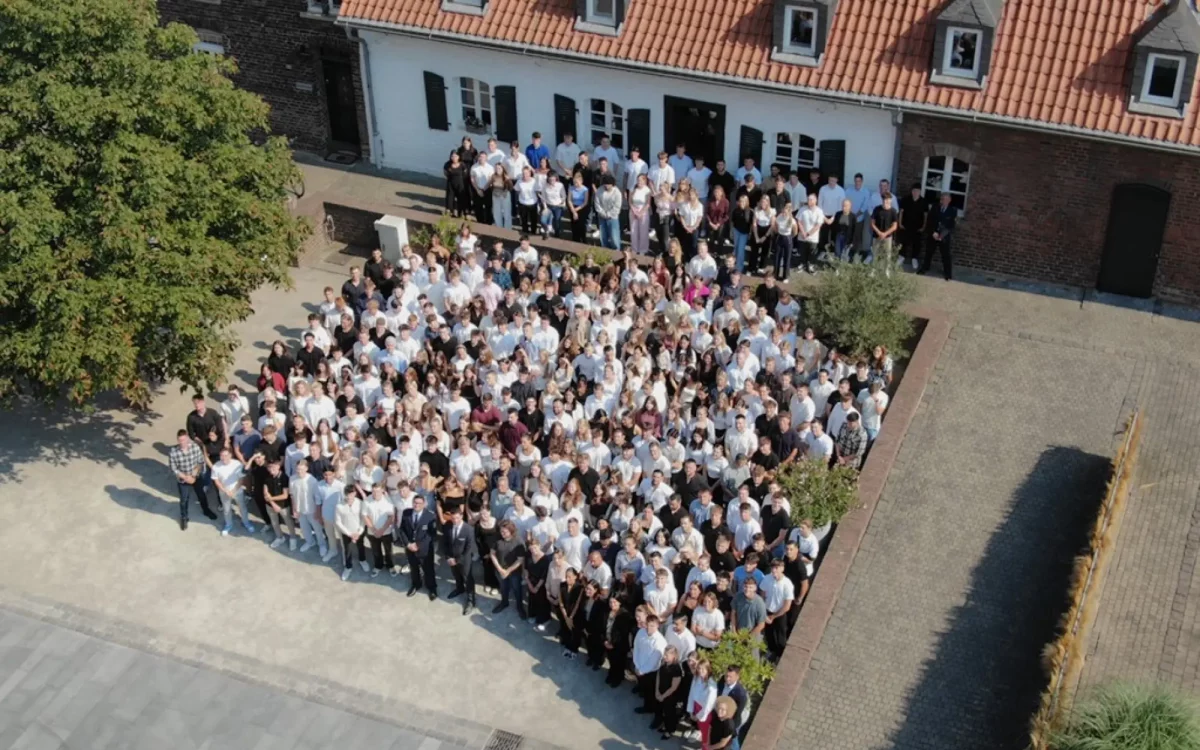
(503, 741)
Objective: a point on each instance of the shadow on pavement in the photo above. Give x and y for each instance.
(983, 683)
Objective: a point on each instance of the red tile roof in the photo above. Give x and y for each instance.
(1060, 62)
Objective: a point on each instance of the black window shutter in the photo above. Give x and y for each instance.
(435, 101)
(619, 12)
(750, 145)
(564, 118)
(581, 9)
(637, 124)
(832, 156)
(506, 113)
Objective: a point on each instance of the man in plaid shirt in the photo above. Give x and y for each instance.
(187, 464)
(852, 442)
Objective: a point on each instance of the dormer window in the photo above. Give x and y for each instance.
(962, 53)
(1163, 81)
(601, 16)
(800, 31)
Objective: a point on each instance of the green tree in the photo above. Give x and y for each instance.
(817, 492)
(136, 214)
(745, 651)
(862, 306)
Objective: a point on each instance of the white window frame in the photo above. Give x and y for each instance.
(1181, 67)
(788, 18)
(481, 91)
(794, 162)
(945, 178)
(594, 13)
(619, 135)
(948, 53)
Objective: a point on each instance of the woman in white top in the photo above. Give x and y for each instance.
(554, 201)
(708, 623)
(639, 216)
(367, 474)
(348, 520)
(702, 697)
(760, 235)
(527, 201)
(784, 227)
(466, 240)
(691, 216)
(664, 208)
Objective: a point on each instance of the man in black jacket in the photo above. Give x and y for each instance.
(614, 627)
(944, 217)
(460, 551)
(417, 533)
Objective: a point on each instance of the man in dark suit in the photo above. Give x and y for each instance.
(417, 533)
(461, 553)
(944, 217)
(730, 686)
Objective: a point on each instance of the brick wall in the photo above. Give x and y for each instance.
(1038, 203)
(279, 53)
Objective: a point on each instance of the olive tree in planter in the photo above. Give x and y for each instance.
(818, 493)
(445, 227)
(744, 650)
(861, 306)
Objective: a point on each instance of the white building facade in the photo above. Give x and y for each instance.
(426, 94)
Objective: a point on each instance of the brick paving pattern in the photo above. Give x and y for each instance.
(936, 638)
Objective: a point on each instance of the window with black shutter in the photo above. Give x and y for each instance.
(637, 125)
(833, 160)
(435, 101)
(750, 145)
(564, 117)
(506, 114)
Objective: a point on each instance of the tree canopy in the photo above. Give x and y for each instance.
(137, 215)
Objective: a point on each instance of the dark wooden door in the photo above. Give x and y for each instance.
(1137, 221)
(700, 126)
(339, 98)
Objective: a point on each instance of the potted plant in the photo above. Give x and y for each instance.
(744, 650)
(818, 493)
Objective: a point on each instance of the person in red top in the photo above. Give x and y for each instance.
(487, 417)
(511, 432)
(650, 419)
(716, 217)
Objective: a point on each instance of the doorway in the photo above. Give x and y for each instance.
(342, 109)
(698, 125)
(1137, 222)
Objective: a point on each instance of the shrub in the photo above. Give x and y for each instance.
(744, 650)
(446, 228)
(861, 306)
(593, 257)
(1131, 718)
(815, 491)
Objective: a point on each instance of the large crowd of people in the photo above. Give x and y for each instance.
(595, 446)
(669, 203)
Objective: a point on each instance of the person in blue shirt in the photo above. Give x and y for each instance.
(536, 151)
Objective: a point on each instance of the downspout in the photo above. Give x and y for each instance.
(364, 67)
(898, 123)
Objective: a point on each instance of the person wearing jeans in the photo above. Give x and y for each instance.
(305, 498)
(330, 492)
(845, 228)
(608, 213)
(554, 201)
(741, 220)
(227, 475)
(784, 228)
(812, 218)
(187, 464)
(279, 505)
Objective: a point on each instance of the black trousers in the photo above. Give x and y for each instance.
(823, 240)
(667, 712)
(458, 201)
(539, 606)
(617, 659)
(687, 240)
(381, 550)
(579, 226)
(911, 239)
(756, 253)
(568, 636)
(646, 685)
(420, 570)
(464, 577)
(943, 247)
(359, 545)
(482, 206)
(776, 635)
(528, 216)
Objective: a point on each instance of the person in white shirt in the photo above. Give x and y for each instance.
(661, 174)
(632, 169)
(306, 504)
(379, 515)
(495, 154)
(747, 168)
(779, 594)
(681, 638)
(812, 224)
(348, 518)
(566, 156)
(797, 193)
(660, 595)
(227, 476)
(680, 163)
(802, 408)
(598, 572)
(819, 445)
(330, 493)
(708, 622)
(573, 544)
(481, 186)
(703, 265)
(699, 175)
(747, 527)
(872, 401)
(842, 409)
(648, 648)
(741, 440)
(830, 201)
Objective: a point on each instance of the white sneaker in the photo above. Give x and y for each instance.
(292, 544)
(346, 574)
(225, 531)
(366, 568)
(307, 546)
(375, 573)
(915, 264)
(540, 628)
(277, 543)
(327, 555)
(404, 570)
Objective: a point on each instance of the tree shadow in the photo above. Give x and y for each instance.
(983, 683)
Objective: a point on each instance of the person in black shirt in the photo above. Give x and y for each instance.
(721, 731)
(439, 464)
(352, 289)
(389, 281)
(767, 424)
(532, 417)
(587, 477)
(202, 421)
(667, 699)
(914, 214)
(767, 294)
(749, 189)
(508, 557)
(796, 570)
(884, 223)
(537, 568)
(689, 483)
(616, 629)
(812, 186)
(722, 557)
(859, 379)
(714, 527)
(787, 444)
(374, 267)
(779, 198)
(671, 513)
(523, 390)
(310, 355)
(721, 176)
(764, 457)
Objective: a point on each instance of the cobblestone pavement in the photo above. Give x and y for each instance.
(63, 689)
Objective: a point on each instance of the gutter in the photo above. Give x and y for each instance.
(364, 67)
(806, 92)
